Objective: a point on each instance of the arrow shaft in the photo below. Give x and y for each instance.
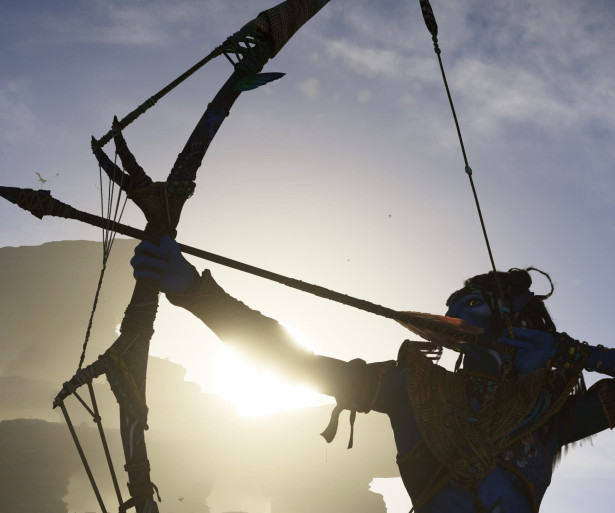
(58, 209)
(47, 205)
(41, 203)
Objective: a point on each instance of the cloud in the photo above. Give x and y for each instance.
(369, 62)
(18, 121)
(509, 93)
(512, 62)
(112, 22)
(364, 96)
(309, 87)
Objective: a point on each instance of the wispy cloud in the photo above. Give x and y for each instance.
(514, 60)
(369, 62)
(309, 88)
(114, 22)
(509, 94)
(364, 96)
(19, 122)
(106, 23)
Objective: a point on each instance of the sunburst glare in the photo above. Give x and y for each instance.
(258, 392)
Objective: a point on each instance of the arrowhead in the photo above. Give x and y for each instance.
(430, 19)
(445, 331)
(28, 199)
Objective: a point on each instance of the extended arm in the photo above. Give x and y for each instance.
(259, 337)
(538, 348)
(584, 414)
(593, 411)
(569, 352)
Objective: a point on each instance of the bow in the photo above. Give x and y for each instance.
(125, 362)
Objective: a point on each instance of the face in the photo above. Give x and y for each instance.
(474, 309)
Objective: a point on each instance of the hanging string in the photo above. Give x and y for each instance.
(108, 238)
(432, 26)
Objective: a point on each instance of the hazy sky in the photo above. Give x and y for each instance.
(347, 172)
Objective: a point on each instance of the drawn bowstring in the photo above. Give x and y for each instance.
(112, 209)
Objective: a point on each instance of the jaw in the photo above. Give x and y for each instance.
(484, 361)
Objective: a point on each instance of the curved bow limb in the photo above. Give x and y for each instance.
(112, 170)
(125, 362)
(138, 177)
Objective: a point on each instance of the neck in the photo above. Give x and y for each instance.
(483, 363)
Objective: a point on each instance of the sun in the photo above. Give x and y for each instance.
(257, 392)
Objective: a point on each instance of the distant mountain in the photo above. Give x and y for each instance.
(45, 300)
(36, 461)
(201, 452)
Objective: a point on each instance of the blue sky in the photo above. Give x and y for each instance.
(347, 172)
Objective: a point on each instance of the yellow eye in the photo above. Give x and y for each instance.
(474, 302)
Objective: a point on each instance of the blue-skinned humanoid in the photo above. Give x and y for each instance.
(482, 439)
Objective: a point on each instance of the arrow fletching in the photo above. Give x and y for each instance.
(253, 81)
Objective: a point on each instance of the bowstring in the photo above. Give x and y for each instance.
(433, 29)
(112, 217)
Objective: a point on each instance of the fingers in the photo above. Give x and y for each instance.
(150, 260)
(147, 266)
(525, 333)
(172, 247)
(162, 261)
(516, 343)
(160, 251)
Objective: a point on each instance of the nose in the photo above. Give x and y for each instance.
(457, 311)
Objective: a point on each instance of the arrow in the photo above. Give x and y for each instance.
(441, 330)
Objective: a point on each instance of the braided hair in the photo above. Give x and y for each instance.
(526, 309)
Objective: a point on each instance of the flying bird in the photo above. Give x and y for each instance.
(40, 178)
(180, 499)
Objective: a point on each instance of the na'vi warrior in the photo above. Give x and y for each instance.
(481, 439)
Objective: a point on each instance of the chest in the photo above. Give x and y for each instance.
(513, 479)
(516, 480)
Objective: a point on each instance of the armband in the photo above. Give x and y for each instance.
(601, 358)
(569, 353)
(605, 389)
(360, 395)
